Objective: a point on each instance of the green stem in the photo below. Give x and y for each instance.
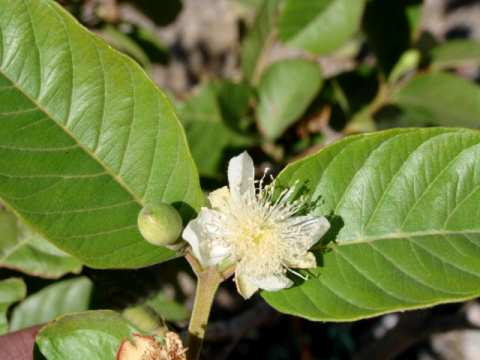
(208, 282)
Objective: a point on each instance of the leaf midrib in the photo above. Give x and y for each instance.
(405, 235)
(40, 108)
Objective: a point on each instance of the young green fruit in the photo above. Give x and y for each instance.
(160, 224)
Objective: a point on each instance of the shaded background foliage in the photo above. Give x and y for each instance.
(246, 74)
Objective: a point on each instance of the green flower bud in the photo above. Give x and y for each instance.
(160, 224)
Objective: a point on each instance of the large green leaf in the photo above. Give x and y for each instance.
(86, 139)
(57, 299)
(11, 291)
(93, 335)
(440, 99)
(25, 251)
(320, 26)
(286, 89)
(406, 223)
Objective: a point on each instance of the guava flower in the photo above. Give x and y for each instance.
(262, 235)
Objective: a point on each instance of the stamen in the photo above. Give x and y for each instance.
(303, 277)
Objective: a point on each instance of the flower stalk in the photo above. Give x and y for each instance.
(208, 282)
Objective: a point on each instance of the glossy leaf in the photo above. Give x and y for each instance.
(286, 89)
(320, 26)
(11, 291)
(440, 99)
(258, 38)
(405, 221)
(86, 139)
(455, 53)
(60, 298)
(85, 335)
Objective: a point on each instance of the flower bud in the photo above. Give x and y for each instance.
(160, 224)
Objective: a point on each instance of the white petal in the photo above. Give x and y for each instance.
(244, 287)
(241, 175)
(192, 235)
(219, 198)
(315, 228)
(306, 262)
(271, 282)
(319, 228)
(198, 233)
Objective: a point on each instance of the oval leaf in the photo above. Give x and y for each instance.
(440, 99)
(86, 138)
(455, 53)
(11, 291)
(320, 26)
(22, 250)
(58, 299)
(86, 335)
(405, 220)
(286, 89)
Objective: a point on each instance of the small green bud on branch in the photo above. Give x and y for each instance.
(160, 224)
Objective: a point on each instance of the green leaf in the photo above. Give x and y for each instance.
(93, 335)
(286, 89)
(8, 229)
(11, 291)
(150, 316)
(33, 255)
(258, 38)
(405, 220)
(25, 251)
(60, 298)
(320, 26)
(455, 53)
(441, 99)
(86, 139)
(407, 63)
(212, 118)
(168, 308)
